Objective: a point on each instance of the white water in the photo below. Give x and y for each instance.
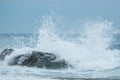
(88, 52)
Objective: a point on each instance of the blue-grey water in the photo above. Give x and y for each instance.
(94, 51)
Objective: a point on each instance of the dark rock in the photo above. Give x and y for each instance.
(60, 64)
(5, 53)
(20, 60)
(39, 59)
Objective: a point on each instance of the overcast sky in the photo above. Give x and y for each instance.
(21, 15)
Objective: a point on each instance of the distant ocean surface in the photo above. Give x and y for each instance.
(94, 51)
(30, 40)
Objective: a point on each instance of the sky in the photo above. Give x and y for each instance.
(21, 16)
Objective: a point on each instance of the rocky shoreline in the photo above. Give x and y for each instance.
(35, 59)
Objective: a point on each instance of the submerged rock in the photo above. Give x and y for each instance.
(40, 60)
(5, 53)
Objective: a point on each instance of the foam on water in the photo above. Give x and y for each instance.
(89, 52)
(86, 49)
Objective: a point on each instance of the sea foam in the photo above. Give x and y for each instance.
(87, 48)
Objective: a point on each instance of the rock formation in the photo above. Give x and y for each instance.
(5, 53)
(36, 59)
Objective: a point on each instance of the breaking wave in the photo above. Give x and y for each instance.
(86, 48)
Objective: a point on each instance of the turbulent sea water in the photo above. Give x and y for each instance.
(93, 51)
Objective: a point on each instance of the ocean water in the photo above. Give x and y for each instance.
(93, 51)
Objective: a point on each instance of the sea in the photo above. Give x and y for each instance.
(93, 50)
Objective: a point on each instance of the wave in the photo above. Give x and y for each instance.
(86, 48)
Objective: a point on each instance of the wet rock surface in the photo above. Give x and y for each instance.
(5, 52)
(36, 59)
